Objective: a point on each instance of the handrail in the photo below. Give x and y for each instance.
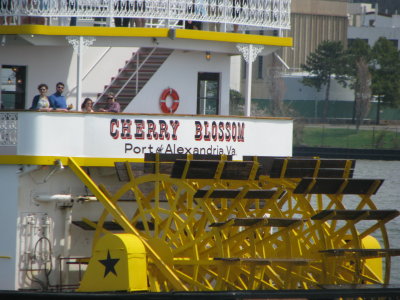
(136, 71)
(271, 14)
(130, 78)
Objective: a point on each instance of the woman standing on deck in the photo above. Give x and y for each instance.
(87, 105)
(41, 102)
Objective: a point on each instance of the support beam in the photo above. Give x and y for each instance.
(250, 53)
(125, 224)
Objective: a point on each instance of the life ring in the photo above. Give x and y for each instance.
(163, 101)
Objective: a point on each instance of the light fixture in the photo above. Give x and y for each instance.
(172, 33)
(208, 55)
(58, 164)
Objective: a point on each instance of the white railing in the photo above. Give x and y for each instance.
(8, 128)
(272, 14)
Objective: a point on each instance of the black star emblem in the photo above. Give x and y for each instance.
(109, 264)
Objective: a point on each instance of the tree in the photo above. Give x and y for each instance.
(277, 89)
(236, 106)
(358, 62)
(326, 63)
(385, 74)
(236, 103)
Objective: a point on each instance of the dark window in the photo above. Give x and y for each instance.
(260, 62)
(244, 67)
(12, 82)
(208, 94)
(395, 43)
(351, 41)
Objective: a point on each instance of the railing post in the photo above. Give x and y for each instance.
(224, 13)
(250, 53)
(168, 14)
(78, 43)
(137, 74)
(79, 73)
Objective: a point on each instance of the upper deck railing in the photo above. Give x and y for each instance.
(271, 14)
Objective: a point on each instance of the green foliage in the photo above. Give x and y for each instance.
(236, 103)
(298, 131)
(386, 72)
(258, 109)
(325, 63)
(358, 59)
(358, 50)
(369, 71)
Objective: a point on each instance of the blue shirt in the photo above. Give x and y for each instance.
(58, 101)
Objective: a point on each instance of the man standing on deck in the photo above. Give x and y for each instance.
(57, 99)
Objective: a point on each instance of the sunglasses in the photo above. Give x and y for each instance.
(60, 87)
(110, 98)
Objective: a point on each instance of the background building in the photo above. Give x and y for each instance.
(312, 21)
(368, 24)
(278, 76)
(387, 7)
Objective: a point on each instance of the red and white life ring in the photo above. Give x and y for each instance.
(169, 92)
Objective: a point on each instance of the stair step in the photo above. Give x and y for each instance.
(125, 78)
(141, 71)
(150, 65)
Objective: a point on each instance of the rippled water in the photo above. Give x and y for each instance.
(387, 197)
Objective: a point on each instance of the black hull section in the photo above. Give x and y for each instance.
(353, 291)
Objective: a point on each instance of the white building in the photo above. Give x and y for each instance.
(365, 23)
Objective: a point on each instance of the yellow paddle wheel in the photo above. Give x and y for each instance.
(212, 224)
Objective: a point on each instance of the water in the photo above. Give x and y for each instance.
(387, 197)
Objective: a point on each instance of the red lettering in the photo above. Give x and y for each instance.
(206, 132)
(151, 130)
(164, 130)
(214, 130)
(114, 132)
(126, 129)
(139, 135)
(198, 135)
(174, 124)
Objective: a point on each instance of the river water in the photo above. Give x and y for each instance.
(387, 197)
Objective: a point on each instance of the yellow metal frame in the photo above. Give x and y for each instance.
(147, 32)
(119, 215)
(206, 243)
